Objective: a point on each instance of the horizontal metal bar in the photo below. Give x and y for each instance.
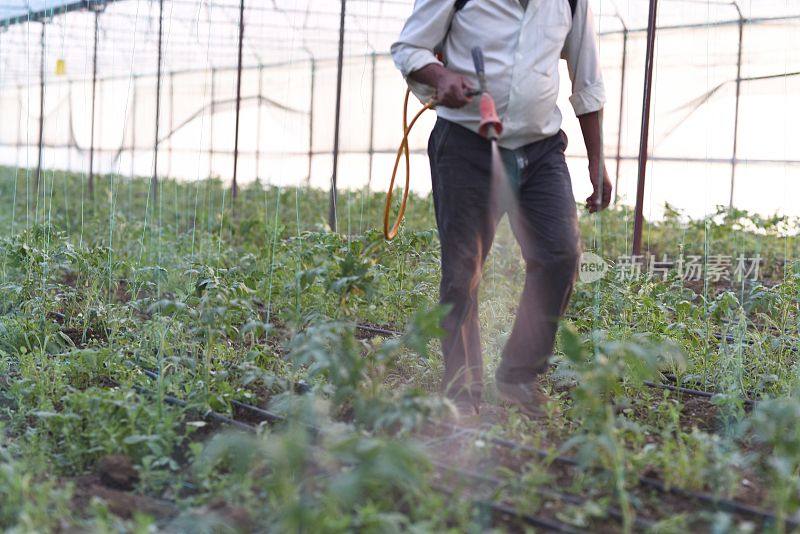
(178, 72)
(416, 152)
(696, 25)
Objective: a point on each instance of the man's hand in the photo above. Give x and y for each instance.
(601, 188)
(451, 88)
(591, 127)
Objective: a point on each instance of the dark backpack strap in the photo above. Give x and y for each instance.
(573, 4)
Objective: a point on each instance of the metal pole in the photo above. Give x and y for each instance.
(340, 66)
(372, 122)
(41, 110)
(94, 101)
(736, 115)
(638, 222)
(158, 97)
(621, 112)
(234, 185)
(311, 120)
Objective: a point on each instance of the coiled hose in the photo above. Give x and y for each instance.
(403, 150)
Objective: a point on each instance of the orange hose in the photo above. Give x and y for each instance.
(388, 233)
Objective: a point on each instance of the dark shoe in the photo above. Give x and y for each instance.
(467, 409)
(527, 396)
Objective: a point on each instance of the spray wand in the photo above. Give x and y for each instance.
(490, 127)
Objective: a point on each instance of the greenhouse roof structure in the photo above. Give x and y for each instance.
(164, 74)
(285, 30)
(21, 11)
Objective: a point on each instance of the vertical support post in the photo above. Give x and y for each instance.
(337, 121)
(258, 123)
(621, 111)
(158, 97)
(94, 105)
(311, 119)
(372, 121)
(235, 185)
(735, 153)
(638, 222)
(41, 110)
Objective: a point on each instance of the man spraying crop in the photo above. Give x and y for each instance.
(521, 42)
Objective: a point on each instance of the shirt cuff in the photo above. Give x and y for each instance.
(413, 62)
(416, 60)
(589, 99)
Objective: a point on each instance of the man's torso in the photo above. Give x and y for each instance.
(522, 47)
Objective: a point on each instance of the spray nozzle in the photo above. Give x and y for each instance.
(490, 127)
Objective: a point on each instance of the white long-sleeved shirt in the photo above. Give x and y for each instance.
(521, 47)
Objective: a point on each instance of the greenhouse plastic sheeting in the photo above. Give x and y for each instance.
(288, 127)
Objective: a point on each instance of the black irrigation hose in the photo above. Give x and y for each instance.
(536, 521)
(378, 330)
(654, 385)
(549, 525)
(694, 392)
(209, 414)
(271, 418)
(268, 416)
(720, 503)
(729, 338)
(565, 497)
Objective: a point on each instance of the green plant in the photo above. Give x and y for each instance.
(775, 423)
(601, 372)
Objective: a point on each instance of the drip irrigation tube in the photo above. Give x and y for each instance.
(653, 385)
(209, 414)
(565, 497)
(501, 509)
(694, 392)
(268, 416)
(719, 503)
(271, 417)
(649, 482)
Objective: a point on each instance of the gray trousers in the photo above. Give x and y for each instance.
(537, 196)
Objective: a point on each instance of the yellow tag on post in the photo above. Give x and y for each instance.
(61, 67)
